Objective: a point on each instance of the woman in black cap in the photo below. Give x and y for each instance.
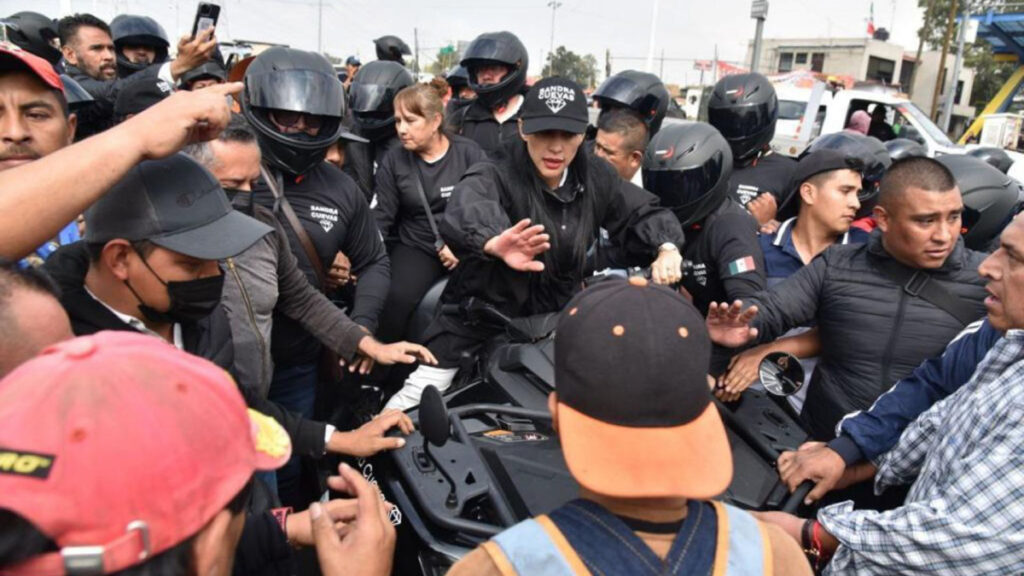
(521, 226)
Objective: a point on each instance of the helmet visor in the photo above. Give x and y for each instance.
(296, 90)
(488, 49)
(742, 122)
(681, 187)
(618, 89)
(370, 98)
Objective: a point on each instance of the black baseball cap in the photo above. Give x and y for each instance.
(634, 410)
(555, 104)
(140, 93)
(176, 204)
(352, 61)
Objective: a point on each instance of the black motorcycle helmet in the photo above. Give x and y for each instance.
(990, 198)
(391, 48)
(688, 166)
(372, 94)
(208, 69)
(641, 92)
(996, 157)
(502, 48)
(900, 148)
(871, 153)
(34, 33)
(76, 96)
(457, 77)
(744, 108)
(298, 81)
(131, 30)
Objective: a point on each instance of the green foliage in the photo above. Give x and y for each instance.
(446, 58)
(568, 64)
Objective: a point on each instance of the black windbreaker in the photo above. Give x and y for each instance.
(476, 122)
(488, 200)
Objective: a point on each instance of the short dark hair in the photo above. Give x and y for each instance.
(68, 26)
(13, 278)
(238, 131)
(921, 172)
(628, 124)
(95, 249)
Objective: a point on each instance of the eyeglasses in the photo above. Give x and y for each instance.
(290, 119)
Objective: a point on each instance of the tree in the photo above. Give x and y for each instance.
(989, 74)
(568, 64)
(445, 59)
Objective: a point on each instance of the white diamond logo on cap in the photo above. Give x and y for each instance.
(556, 97)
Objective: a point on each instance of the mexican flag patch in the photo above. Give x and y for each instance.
(741, 265)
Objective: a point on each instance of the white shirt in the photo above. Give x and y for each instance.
(139, 325)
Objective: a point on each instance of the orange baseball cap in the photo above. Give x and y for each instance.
(635, 415)
(119, 446)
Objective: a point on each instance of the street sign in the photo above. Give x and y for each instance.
(759, 9)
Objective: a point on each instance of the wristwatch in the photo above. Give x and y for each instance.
(668, 246)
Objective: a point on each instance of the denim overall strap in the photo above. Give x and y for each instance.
(534, 547)
(743, 545)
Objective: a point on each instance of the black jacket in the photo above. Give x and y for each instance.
(491, 198)
(872, 331)
(362, 160)
(476, 122)
(336, 217)
(210, 338)
(399, 204)
(99, 115)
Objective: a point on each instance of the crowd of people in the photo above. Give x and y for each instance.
(209, 293)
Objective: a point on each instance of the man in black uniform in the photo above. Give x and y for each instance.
(497, 63)
(370, 97)
(90, 59)
(688, 167)
(744, 109)
(294, 101)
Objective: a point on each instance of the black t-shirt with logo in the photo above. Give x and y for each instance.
(336, 216)
(397, 202)
(769, 173)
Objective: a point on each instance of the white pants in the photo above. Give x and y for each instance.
(409, 395)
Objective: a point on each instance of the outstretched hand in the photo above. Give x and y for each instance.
(519, 245)
(371, 438)
(363, 544)
(729, 326)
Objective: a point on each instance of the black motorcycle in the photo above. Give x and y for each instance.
(485, 457)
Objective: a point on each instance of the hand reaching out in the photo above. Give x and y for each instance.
(519, 245)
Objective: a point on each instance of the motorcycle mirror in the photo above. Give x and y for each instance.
(781, 374)
(434, 417)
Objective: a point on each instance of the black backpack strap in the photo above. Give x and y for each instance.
(417, 178)
(920, 283)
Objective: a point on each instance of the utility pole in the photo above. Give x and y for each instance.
(320, 27)
(661, 70)
(947, 112)
(942, 61)
(651, 35)
(607, 62)
(554, 5)
(416, 49)
(920, 46)
(758, 11)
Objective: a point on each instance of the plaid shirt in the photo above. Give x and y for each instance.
(965, 511)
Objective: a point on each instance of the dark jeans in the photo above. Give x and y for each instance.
(413, 272)
(294, 388)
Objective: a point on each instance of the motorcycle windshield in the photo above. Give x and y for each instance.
(296, 90)
(369, 97)
(741, 122)
(622, 90)
(681, 187)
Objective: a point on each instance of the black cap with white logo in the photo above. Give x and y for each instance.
(176, 204)
(555, 104)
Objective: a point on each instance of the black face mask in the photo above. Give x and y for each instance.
(191, 300)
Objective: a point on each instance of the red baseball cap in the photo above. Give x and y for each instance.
(14, 58)
(119, 446)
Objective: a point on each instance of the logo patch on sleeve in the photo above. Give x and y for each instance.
(741, 265)
(25, 463)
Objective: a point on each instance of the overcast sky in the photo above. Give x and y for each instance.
(685, 29)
